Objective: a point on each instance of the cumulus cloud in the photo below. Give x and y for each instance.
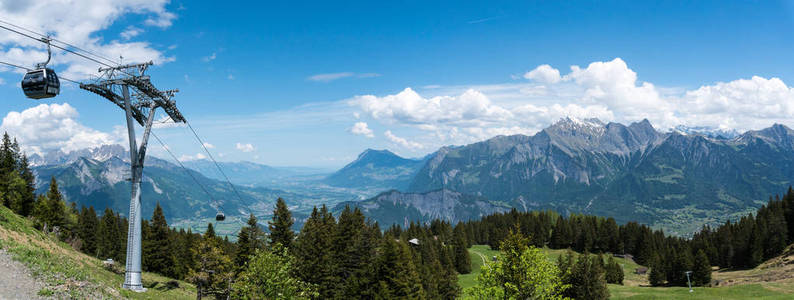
(49, 127)
(544, 74)
(607, 90)
(209, 146)
(361, 128)
(471, 107)
(245, 147)
(402, 141)
(79, 27)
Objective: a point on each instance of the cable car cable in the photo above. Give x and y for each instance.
(62, 48)
(216, 164)
(29, 69)
(59, 41)
(212, 199)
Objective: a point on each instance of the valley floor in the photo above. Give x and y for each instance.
(771, 280)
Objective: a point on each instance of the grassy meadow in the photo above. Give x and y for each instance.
(637, 287)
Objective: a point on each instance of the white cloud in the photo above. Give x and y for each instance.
(245, 147)
(328, 77)
(402, 141)
(80, 27)
(209, 146)
(192, 157)
(230, 77)
(130, 32)
(210, 58)
(544, 74)
(166, 122)
(608, 90)
(162, 20)
(48, 127)
(361, 128)
(408, 107)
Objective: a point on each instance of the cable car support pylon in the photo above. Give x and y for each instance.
(140, 107)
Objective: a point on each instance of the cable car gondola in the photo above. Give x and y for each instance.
(41, 82)
(220, 216)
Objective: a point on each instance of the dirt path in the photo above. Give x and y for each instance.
(481, 256)
(16, 282)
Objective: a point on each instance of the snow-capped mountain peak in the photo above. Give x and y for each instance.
(707, 131)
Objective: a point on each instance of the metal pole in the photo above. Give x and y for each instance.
(132, 276)
(688, 281)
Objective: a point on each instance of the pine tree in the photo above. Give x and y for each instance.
(109, 237)
(88, 230)
(7, 166)
(657, 274)
(249, 240)
(157, 247)
(588, 278)
(281, 226)
(397, 271)
(354, 245)
(462, 259)
(701, 275)
(210, 233)
(313, 252)
(29, 192)
(614, 272)
(54, 210)
(561, 234)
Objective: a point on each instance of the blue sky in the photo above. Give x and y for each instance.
(288, 78)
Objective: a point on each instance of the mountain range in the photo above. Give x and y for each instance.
(99, 177)
(677, 180)
(633, 173)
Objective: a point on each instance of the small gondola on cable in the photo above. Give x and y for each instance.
(41, 82)
(220, 216)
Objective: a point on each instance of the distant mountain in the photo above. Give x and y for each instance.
(99, 177)
(376, 169)
(101, 153)
(710, 132)
(394, 207)
(632, 173)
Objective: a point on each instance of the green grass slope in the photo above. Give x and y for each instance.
(71, 274)
(637, 287)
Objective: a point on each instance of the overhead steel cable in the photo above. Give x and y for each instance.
(59, 41)
(43, 40)
(184, 168)
(29, 69)
(219, 167)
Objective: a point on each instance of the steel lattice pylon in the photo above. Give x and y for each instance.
(139, 106)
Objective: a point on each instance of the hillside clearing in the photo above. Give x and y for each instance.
(67, 273)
